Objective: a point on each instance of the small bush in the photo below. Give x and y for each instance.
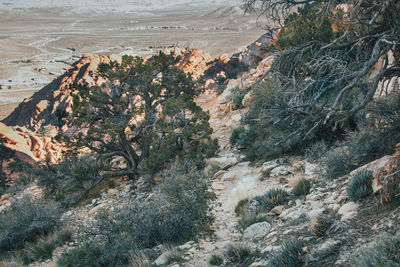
(360, 185)
(27, 220)
(42, 250)
(93, 254)
(241, 207)
(139, 259)
(175, 255)
(249, 219)
(302, 187)
(338, 163)
(237, 96)
(177, 211)
(319, 224)
(290, 255)
(239, 253)
(386, 253)
(216, 260)
(272, 198)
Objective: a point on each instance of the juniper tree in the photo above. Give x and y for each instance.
(143, 119)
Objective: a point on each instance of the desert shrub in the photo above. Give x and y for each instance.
(378, 130)
(319, 224)
(94, 255)
(338, 163)
(360, 185)
(26, 221)
(139, 259)
(216, 260)
(175, 255)
(237, 96)
(302, 187)
(272, 198)
(41, 250)
(241, 207)
(289, 256)
(66, 180)
(236, 136)
(249, 219)
(239, 253)
(386, 253)
(175, 212)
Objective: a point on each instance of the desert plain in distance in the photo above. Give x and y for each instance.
(39, 44)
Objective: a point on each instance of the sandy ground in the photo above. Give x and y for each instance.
(37, 45)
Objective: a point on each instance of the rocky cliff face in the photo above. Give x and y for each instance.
(31, 146)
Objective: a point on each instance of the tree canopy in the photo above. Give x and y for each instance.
(143, 119)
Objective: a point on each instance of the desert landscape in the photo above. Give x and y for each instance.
(40, 40)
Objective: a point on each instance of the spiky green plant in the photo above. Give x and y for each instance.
(272, 198)
(360, 185)
(290, 255)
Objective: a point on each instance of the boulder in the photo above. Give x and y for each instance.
(279, 171)
(257, 231)
(269, 165)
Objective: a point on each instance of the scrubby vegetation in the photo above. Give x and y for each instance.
(302, 187)
(241, 207)
(27, 221)
(319, 224)
(248, 219)
(177, 212)
(385, 253)
(360, 185)
(272, 198)
(239, 253)
(216, 260)
(289, 256)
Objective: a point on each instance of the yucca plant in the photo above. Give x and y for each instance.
(360, 185)
(290, 255)
(272, 198)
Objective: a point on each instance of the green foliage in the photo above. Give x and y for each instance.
(175, 255)
(237, 96)
(378, 130)
(145, 115)
(272, 198)
(176, 212)
(95, 255)
(385, 254)
(289, 256)
(360, 185)
(26, 221)
(41, 250)
(241, 207)
(304, 26)
(302, 187)
(239, 253)
(5, 155)
(270, 135)
(66, 180)
(216, 260)
(249, 219)
(338, 163)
